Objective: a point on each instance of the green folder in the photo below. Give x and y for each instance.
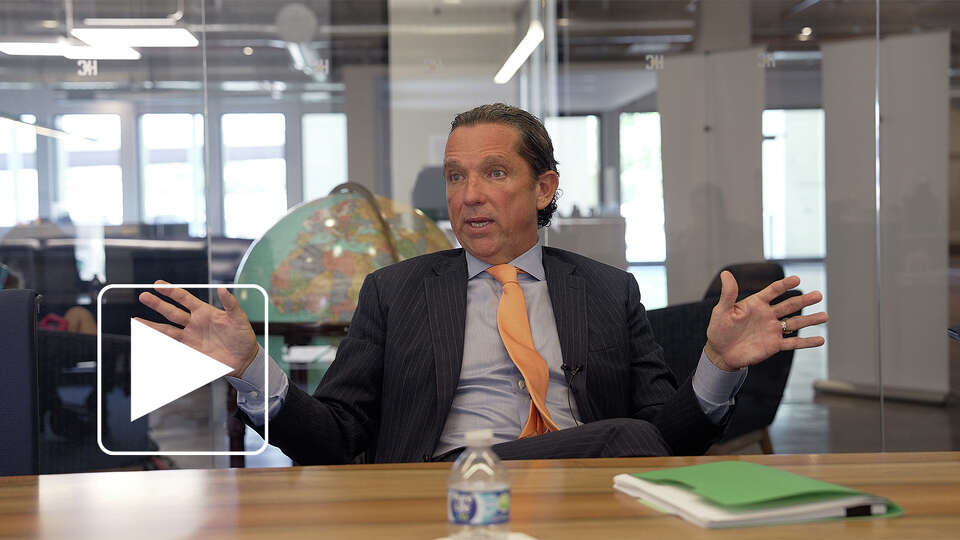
(740, 493)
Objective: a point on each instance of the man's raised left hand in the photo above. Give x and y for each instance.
(748, 332)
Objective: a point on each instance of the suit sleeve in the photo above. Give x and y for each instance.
(340, 419)
(656, 398)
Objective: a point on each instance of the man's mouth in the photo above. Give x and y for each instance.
(478, 223)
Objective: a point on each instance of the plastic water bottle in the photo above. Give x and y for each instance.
(478, 492)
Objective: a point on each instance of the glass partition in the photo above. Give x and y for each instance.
(89, 175)
(691, 136)
(915, 239)
(19, 144)
(171, 155)
(254, 172)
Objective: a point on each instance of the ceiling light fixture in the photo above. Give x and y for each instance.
(519, 55)
(136, 37)
(100, 52)
(135, 32)
(165, 21)
(31, 48)
(68, 50)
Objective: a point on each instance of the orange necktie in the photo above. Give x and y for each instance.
(515, 331)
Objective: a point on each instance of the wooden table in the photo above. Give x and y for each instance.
(551, 499)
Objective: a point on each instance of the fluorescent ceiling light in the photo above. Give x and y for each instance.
(26, 48)
(93, 21)
(68, 50)
(100, 52)
(136, 37)
(242, 86)
(519, 55)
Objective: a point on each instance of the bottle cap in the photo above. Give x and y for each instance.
(479, 437)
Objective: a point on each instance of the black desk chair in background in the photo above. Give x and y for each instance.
(751, 278)
(18, 384)
(681, 330)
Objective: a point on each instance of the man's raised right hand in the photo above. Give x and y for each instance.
(222, 334)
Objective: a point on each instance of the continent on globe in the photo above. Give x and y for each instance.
(313, 260)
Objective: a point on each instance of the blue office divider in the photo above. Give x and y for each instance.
(18, 383)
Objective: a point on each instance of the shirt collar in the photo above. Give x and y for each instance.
(531, 262)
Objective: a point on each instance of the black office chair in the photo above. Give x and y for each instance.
(429, 193)
(18, 385)
(751, 277)
(681, 330)
(760, 396)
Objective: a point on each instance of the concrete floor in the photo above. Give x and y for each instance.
(808, 422)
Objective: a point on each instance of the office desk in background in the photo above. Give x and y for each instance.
(551, 500)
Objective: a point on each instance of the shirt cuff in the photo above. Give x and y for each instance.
(715, 388)
(250, 387)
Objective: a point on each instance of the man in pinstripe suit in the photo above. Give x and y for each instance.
(424, 363)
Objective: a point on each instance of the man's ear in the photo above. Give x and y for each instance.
(546, 186)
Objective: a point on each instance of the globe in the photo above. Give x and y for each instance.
(312, 262)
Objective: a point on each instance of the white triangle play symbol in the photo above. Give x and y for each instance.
(162, 369)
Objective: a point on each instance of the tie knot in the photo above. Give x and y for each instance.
(504, 273)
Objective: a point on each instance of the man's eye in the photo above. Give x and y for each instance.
(498, 174)
(455, 177)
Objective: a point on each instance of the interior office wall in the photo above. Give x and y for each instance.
(365, 107)
(442, 62)
(914, 195)
(954, 174)
(723, 25)
(891, 306)
(711, 110)
(796, 88)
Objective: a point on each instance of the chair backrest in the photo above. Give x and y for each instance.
(18, 385)
(681, 330)
(760, 395)
(751, 277)
(67, 399)
(428, 193)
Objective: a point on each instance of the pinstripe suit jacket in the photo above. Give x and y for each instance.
(389, 391)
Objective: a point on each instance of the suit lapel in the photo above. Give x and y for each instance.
(446, 296)
(568, 296)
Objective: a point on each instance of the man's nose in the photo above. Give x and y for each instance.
(473, 191)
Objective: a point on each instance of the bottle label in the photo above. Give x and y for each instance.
(478, 507)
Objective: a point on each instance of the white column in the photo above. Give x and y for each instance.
(907, 300)
(711, 108)
(362, 108)
(914, 196)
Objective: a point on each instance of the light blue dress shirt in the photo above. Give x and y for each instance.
(491, 392)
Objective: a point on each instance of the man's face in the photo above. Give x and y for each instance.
(492, 195)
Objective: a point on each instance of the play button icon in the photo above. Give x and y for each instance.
(162, 369)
